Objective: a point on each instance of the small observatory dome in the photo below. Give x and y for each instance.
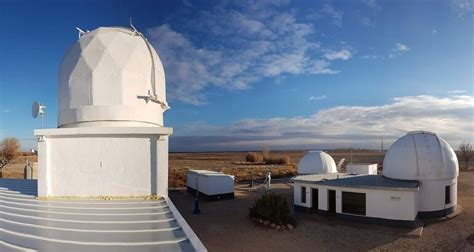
(420, 155)
(317, 162)
(111, 77)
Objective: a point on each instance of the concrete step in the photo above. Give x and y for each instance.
(87, 209)
(51, 244)
(105, 236)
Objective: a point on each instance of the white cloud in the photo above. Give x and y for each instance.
(398, 50)
(399, 47)
(328, 11)
(342, 126)
(335, 55)
(434, 32)
(249, 42)
(373, 5)
(7, 110)
(463, 7)
(317, 98)
(457, 91)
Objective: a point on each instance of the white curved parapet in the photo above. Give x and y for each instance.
(29, 224)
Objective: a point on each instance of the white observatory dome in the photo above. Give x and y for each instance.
(420, 155)
(111, 77)
(317, 162)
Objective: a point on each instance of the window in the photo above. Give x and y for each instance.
(303, 194)
(447, 195)
(353, 203)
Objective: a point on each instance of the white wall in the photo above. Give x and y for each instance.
(362, 168)
(432, 192)
(102, 165)
(387, 204)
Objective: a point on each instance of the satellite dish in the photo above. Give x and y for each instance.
(37, 109)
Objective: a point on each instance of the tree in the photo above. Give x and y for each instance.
(8, 151)
(465, 153)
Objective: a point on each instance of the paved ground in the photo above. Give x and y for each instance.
(224, 226)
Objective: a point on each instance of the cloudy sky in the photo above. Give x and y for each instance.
(284, 74)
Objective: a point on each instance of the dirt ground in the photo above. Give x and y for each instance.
(224, 226)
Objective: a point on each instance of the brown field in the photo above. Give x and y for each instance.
(228, 162)
(234, 163)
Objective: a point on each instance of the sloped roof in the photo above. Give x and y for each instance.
(89, 225)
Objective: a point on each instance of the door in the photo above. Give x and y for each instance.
(315, 199)
(331, 202)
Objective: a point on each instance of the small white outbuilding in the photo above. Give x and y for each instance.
(362, 169)
(317, 162)
(210, 184)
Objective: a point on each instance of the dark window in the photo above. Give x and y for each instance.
(332, 201)
(303, 194)
(353, 203)
(315, 198)
(447, 195)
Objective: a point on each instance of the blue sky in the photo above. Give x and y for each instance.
(240, 75)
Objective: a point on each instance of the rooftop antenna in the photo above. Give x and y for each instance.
(341, 162)
(38, 109)
(151, 96)
(382, 147)
(351, 155)
(134, 29)
(81, 32)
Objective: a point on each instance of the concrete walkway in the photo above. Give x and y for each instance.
(27, 223)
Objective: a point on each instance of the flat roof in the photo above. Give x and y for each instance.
(90, 225)
(358, 181)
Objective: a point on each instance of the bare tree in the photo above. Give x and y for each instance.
(8, 151)
(465, 153)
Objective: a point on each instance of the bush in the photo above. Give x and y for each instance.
(272, 207)
(253, 157)
(277, 160)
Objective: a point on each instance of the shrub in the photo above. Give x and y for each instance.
(272, 207)
(277, 160)
(253, 157)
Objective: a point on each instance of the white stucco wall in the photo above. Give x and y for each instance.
(387, 204)
(432, 192)
(362, 168)
(108, 162)
(219, 184)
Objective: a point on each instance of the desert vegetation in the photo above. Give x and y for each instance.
(465, 155)
(256, 158)
(272, 210)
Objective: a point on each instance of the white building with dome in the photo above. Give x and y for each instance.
(419, 180)
(110, 144)
(110, 140)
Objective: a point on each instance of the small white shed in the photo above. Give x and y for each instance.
(370, 169)
(210, 184)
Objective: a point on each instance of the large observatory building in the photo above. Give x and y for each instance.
(419, 180)
(110, 139)
(110, 143)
